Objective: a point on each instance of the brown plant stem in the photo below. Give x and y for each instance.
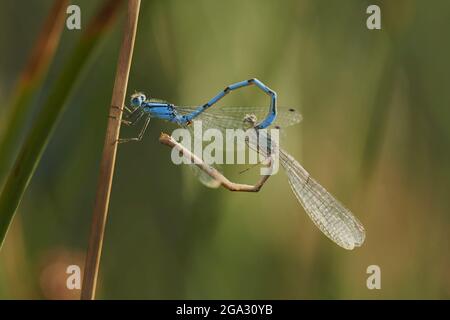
(109, 154)
(213, 173)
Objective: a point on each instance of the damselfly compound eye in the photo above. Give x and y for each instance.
(137, 99)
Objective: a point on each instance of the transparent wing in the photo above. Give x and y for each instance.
(332, 218)
(233, 117)
(203, 177)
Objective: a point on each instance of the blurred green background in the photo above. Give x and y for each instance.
(376, 133)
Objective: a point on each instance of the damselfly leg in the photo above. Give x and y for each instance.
(141, 133)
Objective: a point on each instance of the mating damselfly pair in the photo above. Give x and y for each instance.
(329, 215)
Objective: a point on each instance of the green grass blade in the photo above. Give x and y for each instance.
(30, 79)
(378, 120)
(42, 128)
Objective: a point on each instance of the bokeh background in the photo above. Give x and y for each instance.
(376, 133)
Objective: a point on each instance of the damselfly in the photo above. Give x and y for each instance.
(219, 118)
(329, 215)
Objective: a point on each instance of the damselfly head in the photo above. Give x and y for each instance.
(249, 121)
(137, 99)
